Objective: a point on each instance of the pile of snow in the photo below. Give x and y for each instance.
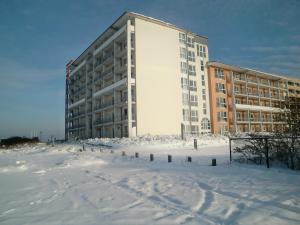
(159, 140)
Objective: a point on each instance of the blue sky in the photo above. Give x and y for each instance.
(38, 37)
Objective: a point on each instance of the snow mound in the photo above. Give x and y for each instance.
(167, 140)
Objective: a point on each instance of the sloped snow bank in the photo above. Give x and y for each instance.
(159, 140)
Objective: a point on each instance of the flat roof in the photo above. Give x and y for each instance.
(112, 28)
(253, 71)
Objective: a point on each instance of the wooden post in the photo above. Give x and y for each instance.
(189, 159)
(151, 157)
(83, 148)
(136, 155)
(195, 144)
(92, 149)
(111, 151)
(169, 158)
(123, 153)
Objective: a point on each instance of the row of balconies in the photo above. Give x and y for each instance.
(76, 127)
(256, 94)
(261, 82)
(112, 119)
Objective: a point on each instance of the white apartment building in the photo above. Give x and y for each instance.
(140, 76)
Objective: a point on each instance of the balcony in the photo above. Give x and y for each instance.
(77, 114)
(252, 81)
(101, 121)
(77, 127)
(240, 78)
(108, 58)
(108, 72)
(104, 105)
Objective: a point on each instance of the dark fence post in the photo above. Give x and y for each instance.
(151, 157)
(213, 162)
(267, 152)
(195, 144)
(189, 159)
(230, 150)
(111, 151)
(136, 155)
(123, 153)
(83, 147)
(169, 158)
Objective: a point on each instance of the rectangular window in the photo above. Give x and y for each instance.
(192, 70)
(204, 108)
(222, 116)
(190, 42)
(193, 100)
(202, 65)
(193, 85)
(184, 83)
(219, 73)
(201, 51)
(182, 38)
(183, 53)
(183, 66)
(221, 102)
(185, 99)
(220, 88)
(203, 94)
(191, 56)
(194, 116)
(186, 114)
(203, 80)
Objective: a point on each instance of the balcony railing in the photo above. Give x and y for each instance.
(77, 114)
(104, 105)
(99, 121)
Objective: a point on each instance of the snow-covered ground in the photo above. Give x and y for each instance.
(60, 185)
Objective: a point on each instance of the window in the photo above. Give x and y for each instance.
(237, 101)
(203, 94)
(223, 130)
(202, 65)
(194, 115)
(191, 56)
(221, 102)
(184, 83)
(183, 52)
(204, 51)
(186, 114)
(203, 80)
(182, 38)
(195, 129)
(204, 108)
(205, 124)
(220, 87)
(201, 51)
(193, 85)
(190, 42)
(222, 116)
(193, 100)
(238, 116)
(192, 70)
(183, 66)
(219, 73)
(185, 99)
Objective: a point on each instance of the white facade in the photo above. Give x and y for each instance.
(141, 76)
